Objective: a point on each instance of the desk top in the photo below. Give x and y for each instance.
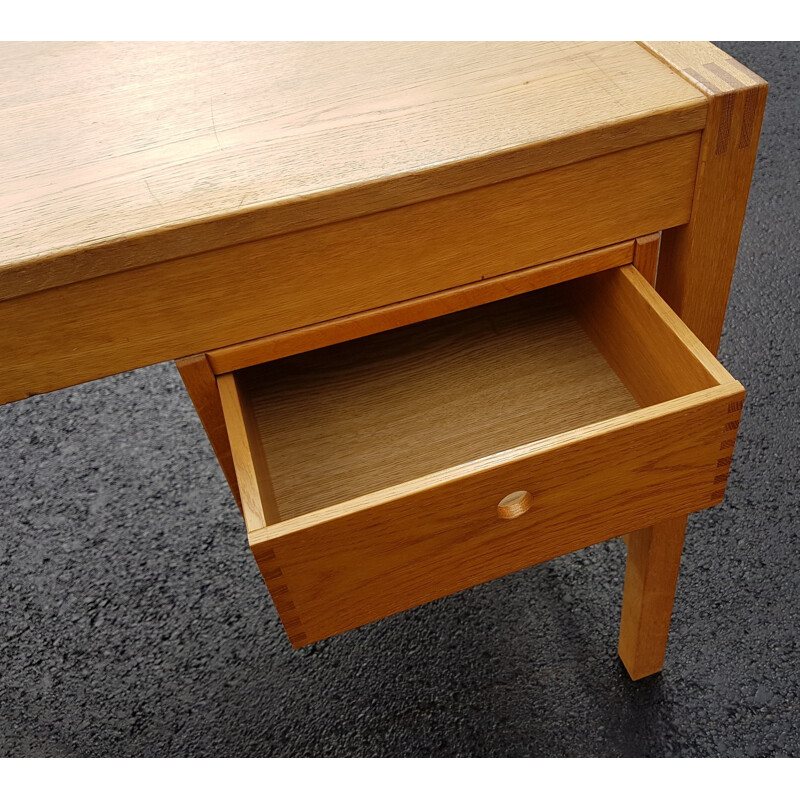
(118, 155)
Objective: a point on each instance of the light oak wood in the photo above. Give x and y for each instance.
(354, 326)
(694, 275)
(190, 305)
(359, 559)
(645, 256)
(118, 155)
(651, 575)
(201, 386)
(198, 371)
(388, 551)
(255, 487)
(262, 200)
(351, 419)
(655, 354)
(697, 259)
(258, 500)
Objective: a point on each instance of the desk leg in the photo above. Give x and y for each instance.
(651, 575)
(696, 263)
(695, 268)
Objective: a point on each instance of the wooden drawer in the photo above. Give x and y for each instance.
(385, 472)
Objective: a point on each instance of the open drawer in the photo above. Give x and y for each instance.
(385, 472)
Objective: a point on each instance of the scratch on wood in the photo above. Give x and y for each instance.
(151, 192)
(214, 123)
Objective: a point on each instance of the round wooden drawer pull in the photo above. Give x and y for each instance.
(514, 505)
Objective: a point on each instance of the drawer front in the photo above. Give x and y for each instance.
(361, 560)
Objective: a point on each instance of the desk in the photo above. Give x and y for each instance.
(238, 207)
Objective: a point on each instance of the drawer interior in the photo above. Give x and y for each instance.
(387, 471)
(354, 418)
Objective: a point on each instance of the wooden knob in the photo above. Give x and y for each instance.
(514, 505)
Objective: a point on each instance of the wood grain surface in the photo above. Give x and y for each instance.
(97, 327)
(407, 312)
(697, 260)
(117, 155)
(388, 551)
(201, 386)
(651, 575)
(645, 256)
(252, 471)
(347, 420)
(362, 558)
(199, 371)
(655, 354)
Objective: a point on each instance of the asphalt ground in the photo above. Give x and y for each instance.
(134, 622)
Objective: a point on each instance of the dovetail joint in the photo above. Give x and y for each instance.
(287, 611)
(271, 574)
(281, 598)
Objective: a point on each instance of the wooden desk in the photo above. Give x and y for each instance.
(228, 205)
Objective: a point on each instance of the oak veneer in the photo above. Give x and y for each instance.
(361, 535)
(246, 202)
(213, 299)
(651, 575)
(256, 492)
(699, 257)
(198, 372)
(645, 256)
(117, 155)
(395, 315)
(340, 422)
(201, 385)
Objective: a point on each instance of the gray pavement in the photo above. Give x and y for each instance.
(133, 620)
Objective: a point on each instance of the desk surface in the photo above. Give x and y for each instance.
(119, 155)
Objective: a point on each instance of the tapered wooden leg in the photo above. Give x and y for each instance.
(651, 575)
